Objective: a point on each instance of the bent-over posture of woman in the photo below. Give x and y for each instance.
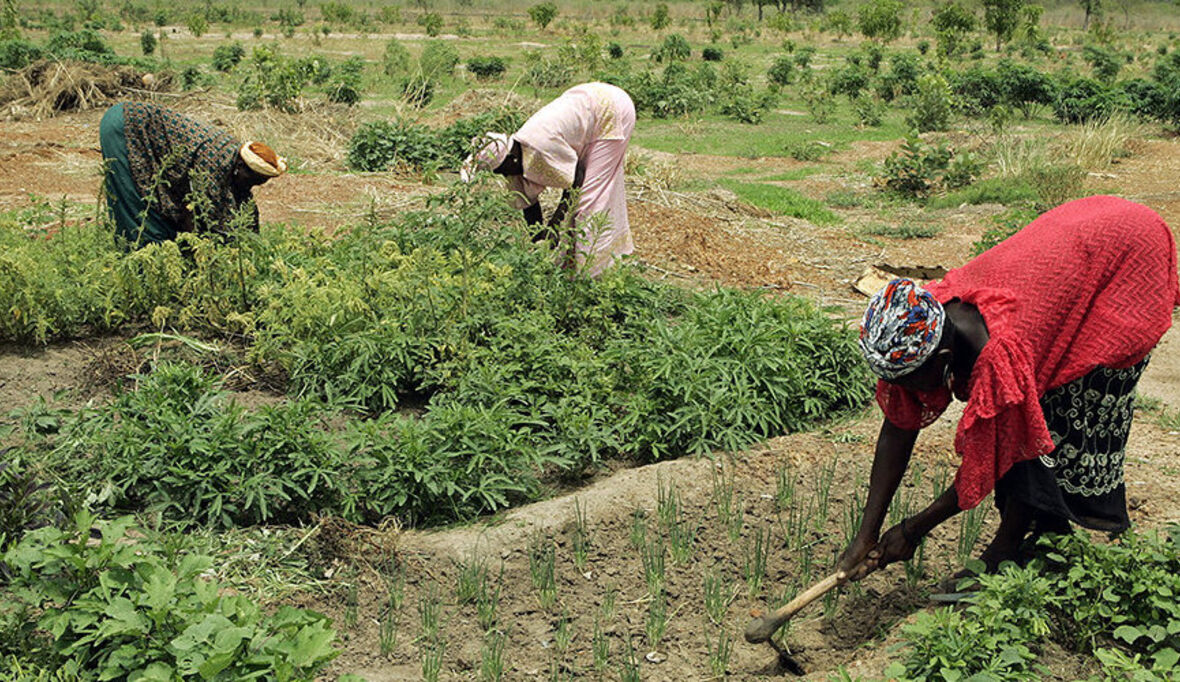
(167, 173)
(577, 143)
(1044, 337)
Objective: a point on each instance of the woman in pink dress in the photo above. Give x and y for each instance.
(578, 143)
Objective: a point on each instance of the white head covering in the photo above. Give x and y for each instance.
(901, 328)
(493, 148)
(260, 165)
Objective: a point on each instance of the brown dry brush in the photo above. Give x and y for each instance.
(49, 86)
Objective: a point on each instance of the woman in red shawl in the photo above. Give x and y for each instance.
(1044, 337)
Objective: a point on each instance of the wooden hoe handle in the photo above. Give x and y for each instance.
(761, 629)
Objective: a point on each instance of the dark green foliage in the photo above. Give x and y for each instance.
(1084, 99)
(176, 444)
(880, 20)
(438, 59)
(1024, 87)
(116, 606)
(1114, 600)
(952, 23)
(17, 54)
(86, 41)
(487, 68)
(1106, 62)
(382, 145)
(919, 169)
(396, 60)
(614, 51)
(677, 92)
(849, 80)
(782, 70)
(901, 79)
(674, 49)
(147, 42)
(26, 501)
(712, 54)
(1004, 225)
(543, 14)
(227, 56)
(1151, 101)
(346, 81)
(513, 369)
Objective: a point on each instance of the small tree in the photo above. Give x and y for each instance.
(147, 41)
(839, 22)
(1002, 18)
(197, 24)
(713, 12)
(432, 22)
(660, 18)
(1093, 8)
(881, 20)
(543, 14)
(952, 22)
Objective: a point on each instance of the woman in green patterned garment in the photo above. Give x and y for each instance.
(167, 173)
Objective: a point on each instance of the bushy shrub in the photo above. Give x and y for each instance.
(272, 80)
(346, 81)
(99, 599)
(86, 41)
(901, 79)
(543, 14)
(431, 22)
(782, 70)
(147, 42)
(614, 51)
(438, 59)
(1084, 99)
(930, 105)
(919, 169)
(396, 59)
(849, 80)
(869, 110)
(1024, 87)
(712, 54)
(17, 54)
(1106, 62)
(674, 48)
(548, 73)
(176, 444)
(197, 24)
(880, 20)
(226, 57)
(382, 145)
(487, 68)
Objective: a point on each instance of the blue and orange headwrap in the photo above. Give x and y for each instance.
(900, 329)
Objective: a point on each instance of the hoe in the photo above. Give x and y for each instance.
(762, 628)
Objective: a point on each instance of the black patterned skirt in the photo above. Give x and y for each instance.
(1082, 479)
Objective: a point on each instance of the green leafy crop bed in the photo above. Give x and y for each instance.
(458, 367)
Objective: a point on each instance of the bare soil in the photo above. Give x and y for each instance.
(698, 241)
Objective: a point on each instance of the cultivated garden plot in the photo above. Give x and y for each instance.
(387, 438)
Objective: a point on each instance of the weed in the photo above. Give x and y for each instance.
(723, 488)
(718, 595)
(638, 536)
(491, 657)
(581, 537)
(657, 620)
(430, 612)
(487, 604)
(387, 633)
(970, 526)
(433, 654)
(782, 201)
(823, 492)
(600, 646)
(737, 520)
(667, 505)
(607, 607)
(784, 486)
(720, 649)
(853, 512)
(542, 569)
(755, 553)
(629, 663)
(652, 556)
(472, 581)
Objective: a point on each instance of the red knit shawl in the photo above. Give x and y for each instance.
(1090, 283)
